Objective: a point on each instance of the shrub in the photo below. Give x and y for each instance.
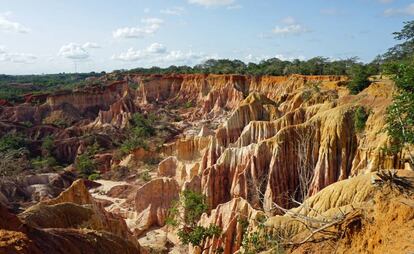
(27, 124)
(145, 176)
(142, 126)
(132, 143)
(400, 123)
(94, 177)
(194, 205)
(262, 239)
(13, 162)
(48, 145)
(188, 104)
(12, 141)
(360, 118)
(152, 160)
(84, 162)
(140, 129)
(44, 162)
(359, 79)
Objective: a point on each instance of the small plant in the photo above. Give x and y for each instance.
(61, 123)
(152, 160)
(133, 85)
(306, 95)
(12, 141)
(391, 178)
(188, 104)
(85, 165)
(133, 142)
(84, 162)
(94, 177)
(189, 232)
(261, 239)
(360, 118)
(48, 145)
(27, 124)
(44, 162)
(145, 176)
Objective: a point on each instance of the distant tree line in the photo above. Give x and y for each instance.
(273, 66)
(12, 87)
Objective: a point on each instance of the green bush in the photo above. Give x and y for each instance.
(84, 163)
(140, 129)
(94, 177)
(12, 141)
(44, 162)
(48, 144)
(360, 118)
(262, 239)
(359, 79)
(133, 142)
(188, 104)
(189, 232)
(145, 176)
(142, 126)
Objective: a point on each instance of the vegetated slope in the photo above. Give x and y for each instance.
(251, 145)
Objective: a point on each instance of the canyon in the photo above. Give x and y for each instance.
(265, 151)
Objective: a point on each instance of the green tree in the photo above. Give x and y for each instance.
(360, 118)
(189, 232)
(400, 114)
(404, 50)
(84, 163)
(400, 122)
(359, 79)
(140, 128)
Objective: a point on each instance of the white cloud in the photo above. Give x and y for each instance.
(256, 59)
(15, 57)
(156, 48)
(136, 55)
(289, 58)
(290, 30)
(159, 55)
(77, 51)
(11, 26)
(211, 3)
(290, 27)
(177, 11)
(189, 57)
(149, 27)
(406, 11)
(147, 10)
(91, 45)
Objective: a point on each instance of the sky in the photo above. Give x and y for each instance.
(54, 36)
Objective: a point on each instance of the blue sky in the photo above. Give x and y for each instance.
(51, 36)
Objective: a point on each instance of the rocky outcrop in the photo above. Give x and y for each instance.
(233, 218)
(152, 202)
(75, 208)
(17, 237)
(247, 143)
(373, 206)
(35, 188)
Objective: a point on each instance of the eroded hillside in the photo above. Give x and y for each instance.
(258, 148)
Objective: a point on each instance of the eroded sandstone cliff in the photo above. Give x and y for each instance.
(249, 144)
